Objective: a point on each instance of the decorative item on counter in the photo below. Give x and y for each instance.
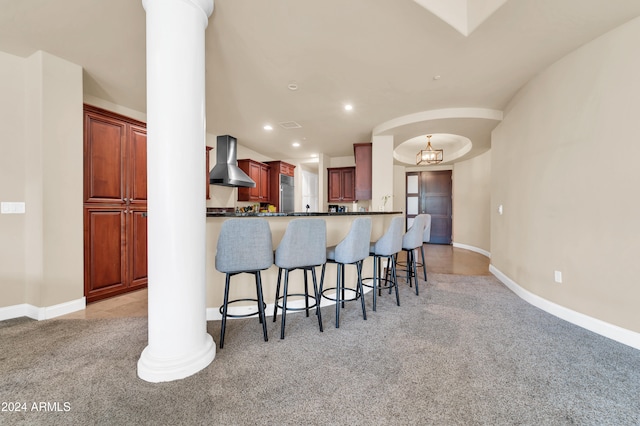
(385, 198)
(271, 208)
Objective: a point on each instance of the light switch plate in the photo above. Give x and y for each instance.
(12, 207)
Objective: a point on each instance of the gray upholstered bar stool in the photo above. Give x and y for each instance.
(426, 237)
(244, 246)
(411, 241)
(353, 249)
(303, 246)
(386, 247)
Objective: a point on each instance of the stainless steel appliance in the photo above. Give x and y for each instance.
(226, 172)
(287, 204)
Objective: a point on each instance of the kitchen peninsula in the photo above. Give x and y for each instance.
(243, 286)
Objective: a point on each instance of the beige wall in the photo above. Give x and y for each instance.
(12, 179)
(565, 168)
(472, 202)
(43, 263)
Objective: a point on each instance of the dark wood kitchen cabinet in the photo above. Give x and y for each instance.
(277, 168)
(208, 165)
(115, 204)
(363, 153)
(341, 185)
(259, 173)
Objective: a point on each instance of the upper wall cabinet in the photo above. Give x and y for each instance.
(341, 187)
(259, 173)
(362, 153)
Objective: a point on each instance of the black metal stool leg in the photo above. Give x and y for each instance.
(318, 297)
(376, 277)
(360, 289)
(338, 289)
(224, 309)
(263, 320)
(415, 272)
(409, 268)
(284, 302)
(395, 280)
(343, 290)
(275, 305)
(424, 264)
(306, 292)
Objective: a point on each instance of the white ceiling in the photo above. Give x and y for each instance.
(380, 55)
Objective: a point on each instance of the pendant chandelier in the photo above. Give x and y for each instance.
(429, 155)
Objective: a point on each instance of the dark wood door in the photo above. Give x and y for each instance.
(115, 204)
(431, 193)
(435, 199)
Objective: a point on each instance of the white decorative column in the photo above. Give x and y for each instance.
(179, 345)
(382, 179)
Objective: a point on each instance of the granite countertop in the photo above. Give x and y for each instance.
(294, 214)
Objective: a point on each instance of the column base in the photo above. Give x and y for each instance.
(156, 370)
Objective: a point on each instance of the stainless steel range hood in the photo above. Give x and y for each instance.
(226, 172)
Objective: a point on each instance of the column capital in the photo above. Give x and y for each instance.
(206, 6)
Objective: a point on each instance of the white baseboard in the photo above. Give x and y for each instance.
(619, 334)
(47, 312)
(472, 248)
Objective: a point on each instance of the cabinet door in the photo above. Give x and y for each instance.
(263, 183)
(104, 159)
(105, 258)
(363, 154)
(137, 248)
(254, 173)
(137, 166)
(335, 185)
(348, 184)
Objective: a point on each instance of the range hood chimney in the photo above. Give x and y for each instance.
(226, 172)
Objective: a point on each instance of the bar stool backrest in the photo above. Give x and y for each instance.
(391, 242)
(304, 244)
(244, 245)
(413, 237)
(426, 235)
(355, 246)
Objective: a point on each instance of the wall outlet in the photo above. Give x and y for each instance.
(558, 276)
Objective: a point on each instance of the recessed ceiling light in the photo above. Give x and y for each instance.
(314, 155)
(292, 86)
(436, 77)
(295, 144)
(268, 127)
(348, 107)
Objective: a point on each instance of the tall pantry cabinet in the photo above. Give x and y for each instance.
(115, 204)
